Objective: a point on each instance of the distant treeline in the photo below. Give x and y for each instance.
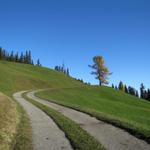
(62, 69)
(144, 94)
(81, 80)
(25, 58)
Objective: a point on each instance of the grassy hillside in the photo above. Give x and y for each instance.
(106, 104)
(9, 119)
(16, 77)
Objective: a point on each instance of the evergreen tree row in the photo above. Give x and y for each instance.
(81, 80)
(144, 94)
(127, 89)
(62, 69)
(25, 58)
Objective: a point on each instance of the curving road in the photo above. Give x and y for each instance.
(45, 133)
(112, 138)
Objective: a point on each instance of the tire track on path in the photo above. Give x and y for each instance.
(111, 137)
(45, 133)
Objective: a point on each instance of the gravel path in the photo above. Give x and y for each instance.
(111, 137)
(46, 134)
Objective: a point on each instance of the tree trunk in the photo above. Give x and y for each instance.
(100, 83)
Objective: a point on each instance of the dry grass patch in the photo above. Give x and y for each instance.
(8, 121)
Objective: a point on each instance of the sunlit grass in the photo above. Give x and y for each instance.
(106, 104)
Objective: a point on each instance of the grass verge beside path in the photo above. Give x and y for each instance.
(108, 105)
(23, 139)
(8, 121)
(80, 139)
(15, 130)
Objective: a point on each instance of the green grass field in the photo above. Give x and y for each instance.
(23, 137)
(16, 77)
(9, 118)
(15, 130)
(106, 104)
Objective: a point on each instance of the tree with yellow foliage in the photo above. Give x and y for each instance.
(101, 72)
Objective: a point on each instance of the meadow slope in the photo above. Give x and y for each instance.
(9, 119)
(106, 104)
(17, 77)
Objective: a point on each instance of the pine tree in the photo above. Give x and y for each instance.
(1, 53)
(16, 57)
(4, 54)
(32, 62)
(116, 87)
(38, 63)
(7, 56)
(126, 89)
(12, 56)
(142, 88)
(132, 91)
(26, 57)
(113, 86)
(121, 86)
(64, 71)
(56, 68)
(59, 68)
(21, 59)
(63, 67)
(145, 95)
(29, 57)
(137, 94)
(148, 95)
(68, 72)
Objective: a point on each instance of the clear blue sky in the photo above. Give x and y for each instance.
(74, 31)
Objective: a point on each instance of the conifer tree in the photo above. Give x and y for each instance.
(64, 71)
(32, 62)
(38, 63)
(17, 57)
(29, 57)
(68, 72)
(59, 68)
(148, 96)
(7, 56)
(145, 95)
(137, 94)
(100, 71)
(56, 68)
(12, 56)
(131, 91)
(26, 57)
(1, 53)
(121, 86)
(142, 88)
(4, 54)
(21, 59)
(126, 89)
(113, 86)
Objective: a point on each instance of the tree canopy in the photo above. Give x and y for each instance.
(100, 71)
